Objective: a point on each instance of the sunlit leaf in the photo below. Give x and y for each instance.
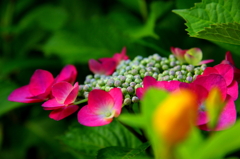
(216, 20)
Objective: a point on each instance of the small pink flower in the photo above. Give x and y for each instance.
(102, 107)
(38, 89)
(63, 102)
(228, 60)
(40, 85)
(192, 56)
(106, 66)
(178, 53)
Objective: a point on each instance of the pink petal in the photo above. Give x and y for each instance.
(72, 95)
(105, 66)
(199, 90)
(139, 92)
(108, 65)
(209, 70)
(61, 113)
(88, 118)
(117, 96)
(99, 100)
(61, 91)
(94, 66)
(120, 56)
(206, 61)
(232, 90)
(168, 85)
(228, 115)
(40, 82)
(202, 118)
(68, 74)
(212, 80)
(149, 81)
(22, 95)
(52, 104)
(226, 71)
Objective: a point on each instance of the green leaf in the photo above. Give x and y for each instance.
(222, 142)
(117, 152)
(6, 88)
(216, 20)
(47, 16)
(228, 33)
(86, 141)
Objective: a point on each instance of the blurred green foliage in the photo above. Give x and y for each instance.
(49, 34)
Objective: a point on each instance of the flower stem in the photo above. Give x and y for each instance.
(81, 101)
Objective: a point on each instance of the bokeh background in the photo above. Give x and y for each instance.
(49, 34)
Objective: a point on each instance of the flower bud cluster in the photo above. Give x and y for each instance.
(130, 73)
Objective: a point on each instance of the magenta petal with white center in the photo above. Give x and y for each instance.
(117, 95)
(40, 81)
(68, 74)
(212, 80)
(59, 114)
(22, 95)
(226, 71)
(88, 118)
(52, 104)
(72, 95)
(99, 100)
(61, 91)
(232, 90)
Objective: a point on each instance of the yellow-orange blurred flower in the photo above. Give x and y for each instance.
(175, 116)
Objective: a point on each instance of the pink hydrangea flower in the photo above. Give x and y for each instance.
(220, 76)
(63, 102)
(106, 66)
(102, 107)
(228, 60)
(40, 85)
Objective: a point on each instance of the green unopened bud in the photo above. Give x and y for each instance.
(125, 85)
(130, 90)
(124, 90)
(127, 101)
(135, 99)
(117, 83)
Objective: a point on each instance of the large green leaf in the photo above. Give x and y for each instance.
(220, 143)
(86, 141)
(216, 20)
(117, 152)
